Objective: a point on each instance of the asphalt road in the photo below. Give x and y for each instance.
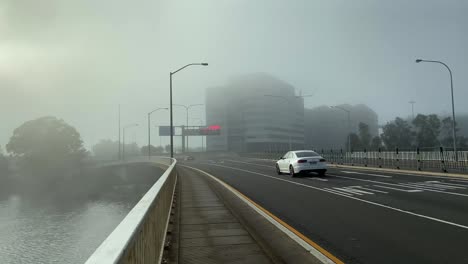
(358, 215)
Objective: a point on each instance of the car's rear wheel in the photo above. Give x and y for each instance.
(322, 173)
(278, 170)
(291, 171)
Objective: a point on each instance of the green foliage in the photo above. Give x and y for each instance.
(355, 142)
(446, 135)
(427, 130)
(106, 149)
(131, 150)
(364, 135)
(376, 143)
(47, 143)
(4, 167)
(397, 134)
(154, 150)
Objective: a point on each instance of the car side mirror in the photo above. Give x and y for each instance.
(281, 158)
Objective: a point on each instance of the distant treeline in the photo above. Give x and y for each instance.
(424, 132)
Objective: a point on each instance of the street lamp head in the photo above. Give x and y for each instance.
(418, 60)
(204, 64)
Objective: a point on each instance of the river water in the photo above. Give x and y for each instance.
(51, 230)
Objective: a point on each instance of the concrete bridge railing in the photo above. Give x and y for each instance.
(140, 237)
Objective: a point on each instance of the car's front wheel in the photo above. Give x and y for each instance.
(278, 170)
(291, 171)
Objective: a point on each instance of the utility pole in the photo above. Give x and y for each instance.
(170, 101)
(120, 129)
(412, 107)
(453, 103)
(149, 129)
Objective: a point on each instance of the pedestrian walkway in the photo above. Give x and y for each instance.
(208, 232)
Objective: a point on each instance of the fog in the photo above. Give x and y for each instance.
(78, 60)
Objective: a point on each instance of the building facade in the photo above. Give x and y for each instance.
(328, 128)
(257, 113)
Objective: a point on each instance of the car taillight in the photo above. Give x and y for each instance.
(301, 161)
(322, 160)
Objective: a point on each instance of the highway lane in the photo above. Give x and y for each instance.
(361, 216)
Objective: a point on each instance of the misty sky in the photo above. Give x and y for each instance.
(78, 60)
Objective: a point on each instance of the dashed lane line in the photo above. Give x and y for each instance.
(352, 197)
(368, 174)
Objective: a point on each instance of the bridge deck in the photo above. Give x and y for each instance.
(207, 230)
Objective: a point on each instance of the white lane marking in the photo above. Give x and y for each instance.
(358, 179)
(316, 179)
(271, 167)
(368, 189)
(369, 174)
(346, 190)
(337, 192)
(415, 185)
(456, 180)
(354, 198)
(324, 259)
(448, 177)
(396, 189)
(440, 186)
(432, 190)
(359, 191)
(451, 184)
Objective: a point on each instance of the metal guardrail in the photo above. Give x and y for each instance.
(140, 237)
(433, 160)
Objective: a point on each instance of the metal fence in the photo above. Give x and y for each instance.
(427, 160)
(140, 237)
(422, 160)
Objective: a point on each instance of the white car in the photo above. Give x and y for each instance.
(301, 161)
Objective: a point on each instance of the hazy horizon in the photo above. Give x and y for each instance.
(79, 60)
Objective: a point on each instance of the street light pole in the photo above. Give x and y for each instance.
(453, 103)
(412, 107)
(187, 107)
(149, 129)
(170, 101)
(120, 136)
(123, 139)
(349, 124)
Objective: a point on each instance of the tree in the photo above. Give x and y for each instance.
(47, 143)
(154, 150)
(355, 142)
(106, 149)
(132, 150)
(446, 135)
(376, 143)
(397, 133)
(4, 167)
(364, 135)
(168, 148)
(427, 130)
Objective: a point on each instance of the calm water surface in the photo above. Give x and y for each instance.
(56, 230)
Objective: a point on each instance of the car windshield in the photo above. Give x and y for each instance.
(306, 154)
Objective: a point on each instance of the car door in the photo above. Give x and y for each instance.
(292, 157)
(286, 161)
(282, 163)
